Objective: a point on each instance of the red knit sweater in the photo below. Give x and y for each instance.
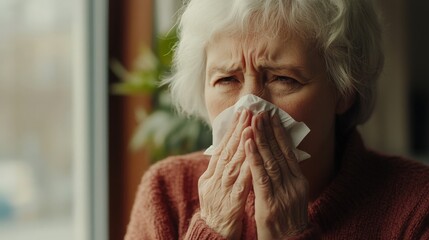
(371, 197)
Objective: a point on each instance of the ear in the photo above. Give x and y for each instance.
(344, 103)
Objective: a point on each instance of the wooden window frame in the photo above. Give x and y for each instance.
(130, 26)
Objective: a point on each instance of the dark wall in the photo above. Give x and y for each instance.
(418, 26)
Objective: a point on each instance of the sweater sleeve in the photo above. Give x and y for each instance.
(151, 216)
(162, 210)
(198, 229)
(312, 232)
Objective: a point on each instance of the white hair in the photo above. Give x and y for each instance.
(346, 32)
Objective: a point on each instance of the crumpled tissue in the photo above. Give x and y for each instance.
(255, 104)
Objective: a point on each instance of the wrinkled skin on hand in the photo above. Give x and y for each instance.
(224, 186)
(255, 151)
(281, 190)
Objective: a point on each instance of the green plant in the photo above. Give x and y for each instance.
(161, 130)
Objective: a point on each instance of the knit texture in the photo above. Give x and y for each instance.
(372, 197)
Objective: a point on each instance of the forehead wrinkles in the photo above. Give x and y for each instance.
(265, 50)
(255, 50)
(251, 50)
(223, 56)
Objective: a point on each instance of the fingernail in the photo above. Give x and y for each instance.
(237, 116)
(243, 116)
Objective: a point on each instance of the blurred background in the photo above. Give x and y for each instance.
(81, 118)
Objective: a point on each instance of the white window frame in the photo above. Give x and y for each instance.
(90, 113)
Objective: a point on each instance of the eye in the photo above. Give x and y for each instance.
(286, 83)
(227, 80)
(285, 80)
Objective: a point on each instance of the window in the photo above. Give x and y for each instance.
(47, 180)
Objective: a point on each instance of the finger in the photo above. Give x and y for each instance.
(211, 168)
(271, 139)
(232, 169)
(241, 187)
(270, 132)
(286, 147)
(261, 181)
(228, 133)
(232, 144)
(264, 149)
(215, 157)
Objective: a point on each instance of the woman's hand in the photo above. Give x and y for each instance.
(224, 186)
(281, 190)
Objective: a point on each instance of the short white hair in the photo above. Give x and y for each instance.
(346, 32)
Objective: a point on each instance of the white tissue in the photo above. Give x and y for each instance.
(297, 130)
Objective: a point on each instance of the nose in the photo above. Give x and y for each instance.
(255, 85)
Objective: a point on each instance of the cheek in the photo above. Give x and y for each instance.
(215, 103)
(320, 118)
(315, 106)
(312, 111)
(317, 111)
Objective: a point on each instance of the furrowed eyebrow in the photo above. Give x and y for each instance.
(294, 69)
(298, 71)
(278, 67)
(223, 69)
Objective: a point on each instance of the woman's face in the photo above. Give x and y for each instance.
(286, 71)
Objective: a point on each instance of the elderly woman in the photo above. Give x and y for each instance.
(318, 61)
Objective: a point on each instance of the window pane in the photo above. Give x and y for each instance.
(36, 118)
